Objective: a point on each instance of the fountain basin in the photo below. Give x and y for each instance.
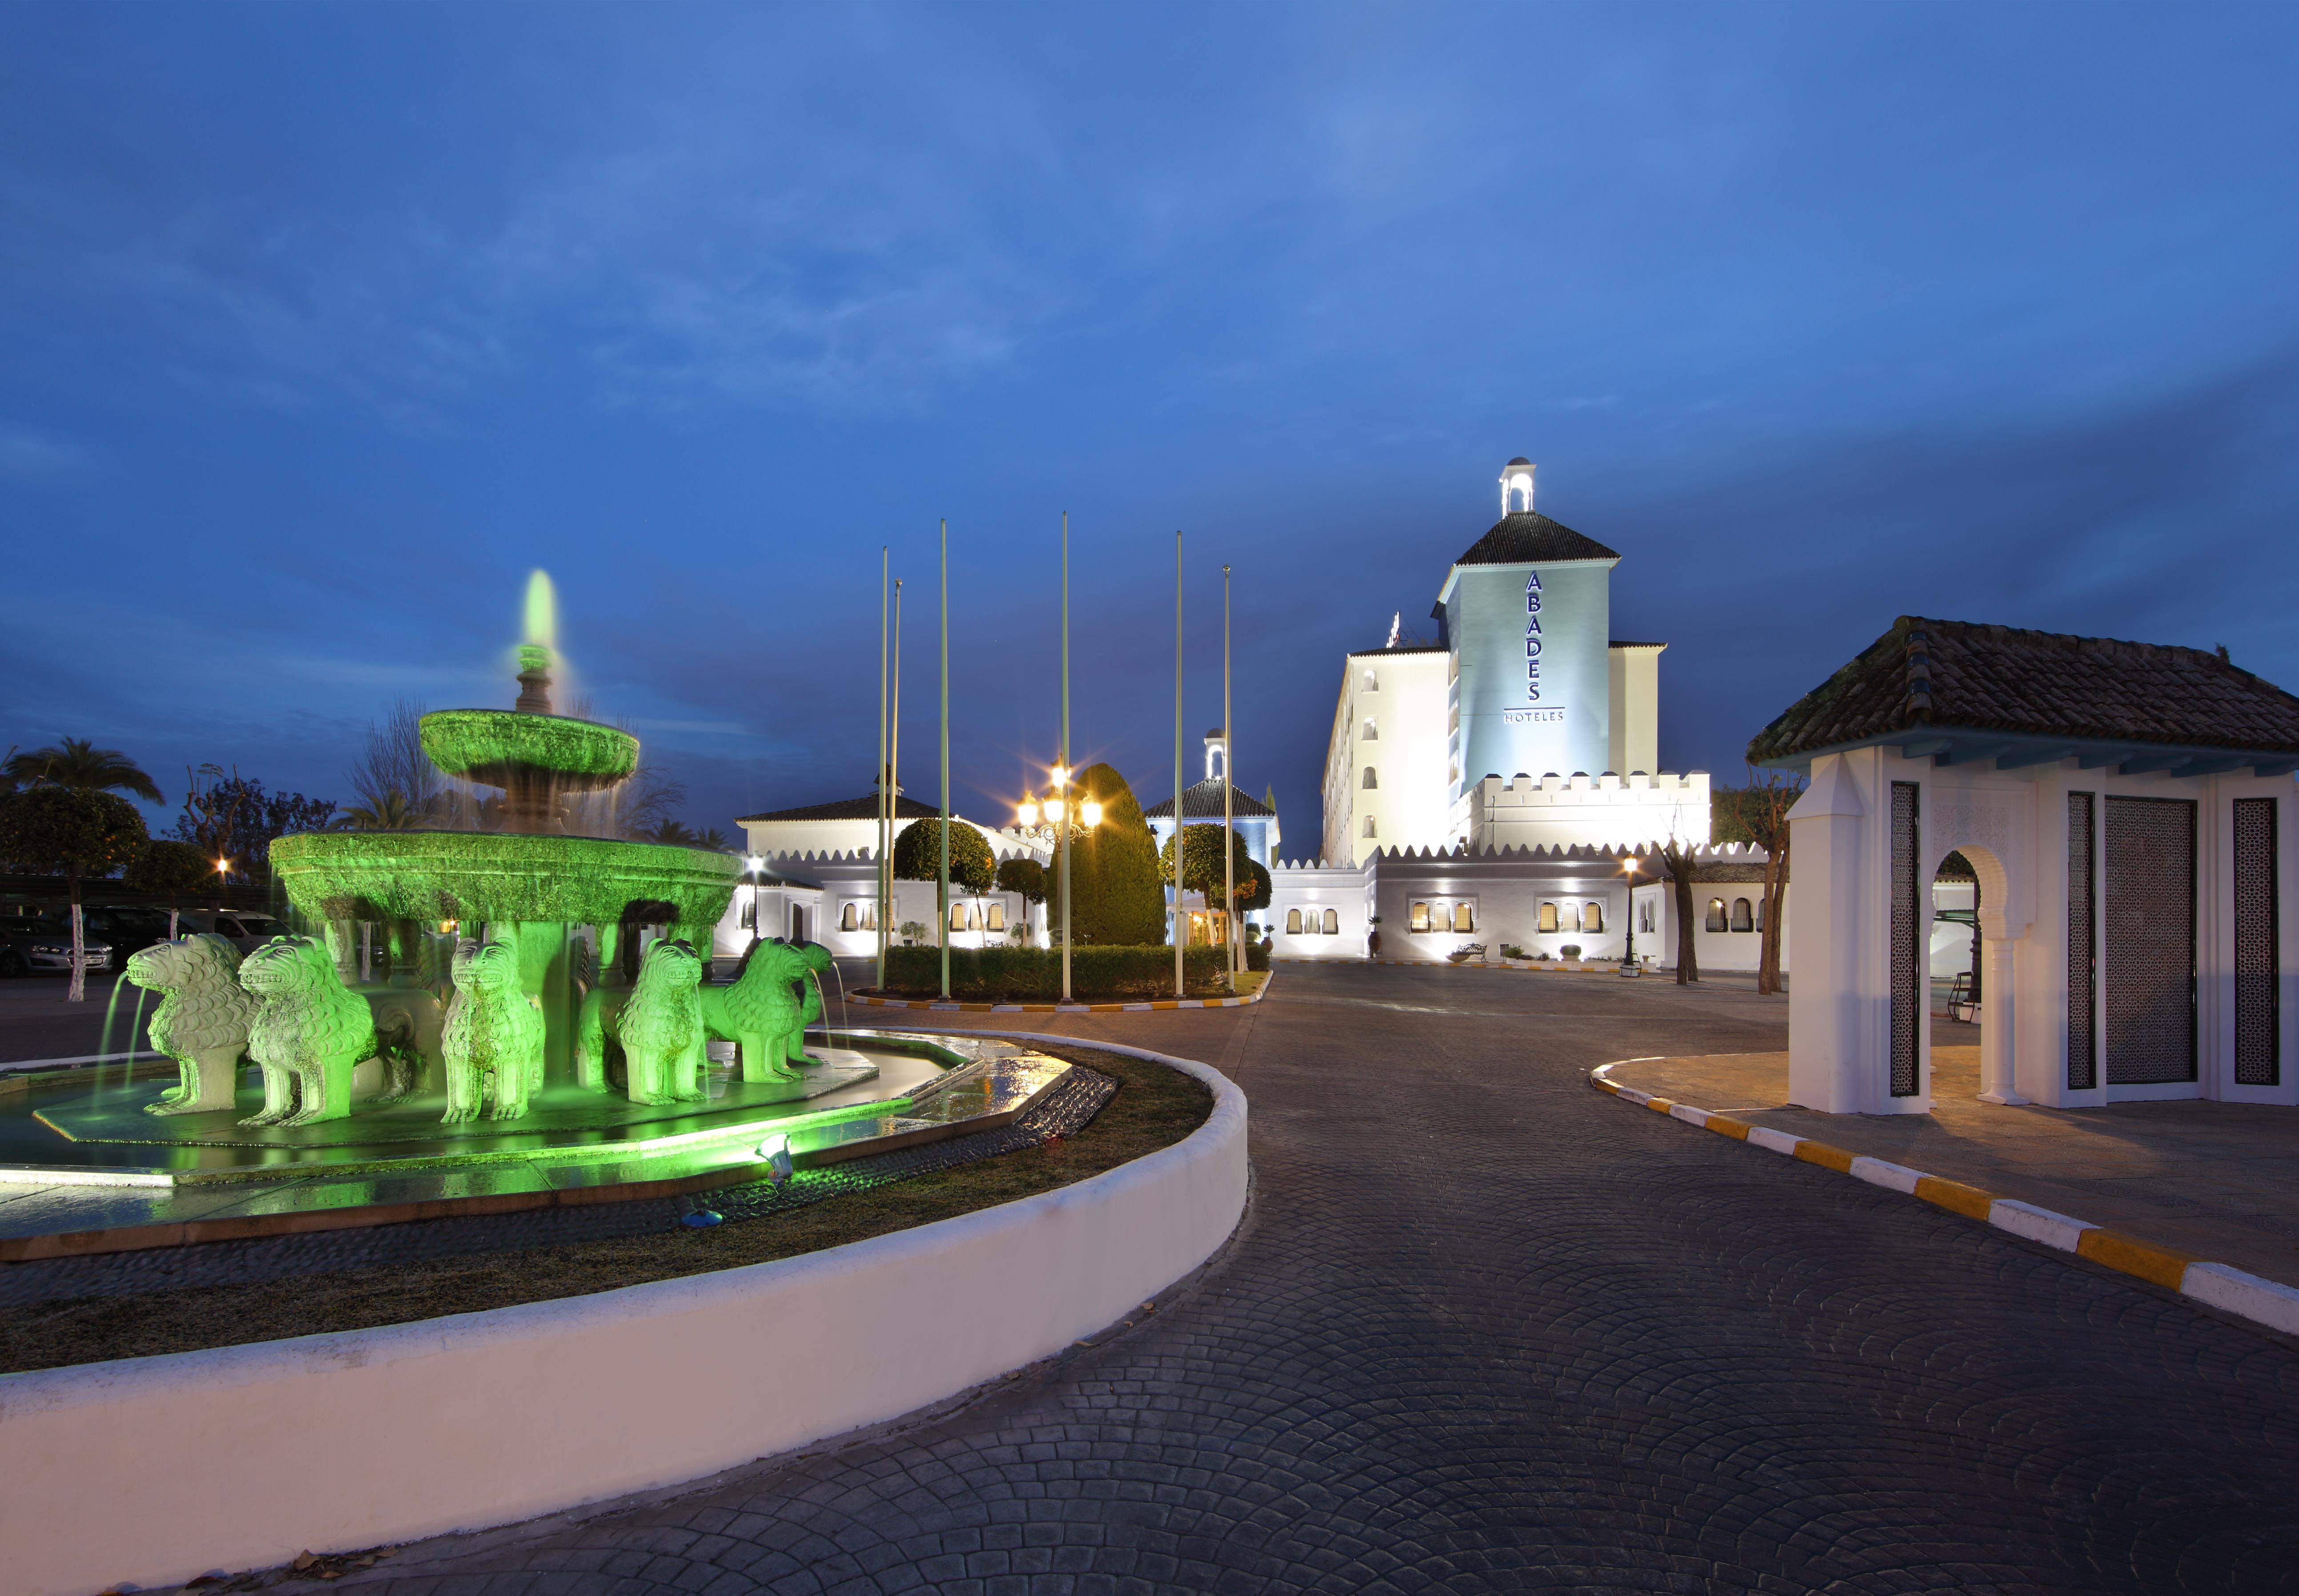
(502, 748)
(500, 876)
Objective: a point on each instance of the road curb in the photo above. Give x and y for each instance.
(937, 1006)
(2230, 1290)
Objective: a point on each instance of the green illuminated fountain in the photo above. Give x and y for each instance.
(530, 883)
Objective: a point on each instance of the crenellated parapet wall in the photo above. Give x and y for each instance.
(1637, 809)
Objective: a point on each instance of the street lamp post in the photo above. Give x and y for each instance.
(1053, 818)
(752, 865)
(1629, 964)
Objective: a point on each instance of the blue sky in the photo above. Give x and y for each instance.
(324, 324)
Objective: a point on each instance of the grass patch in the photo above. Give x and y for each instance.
(1154, 1107)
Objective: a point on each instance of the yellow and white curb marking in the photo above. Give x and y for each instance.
(2215, 1284)
(937, 1005)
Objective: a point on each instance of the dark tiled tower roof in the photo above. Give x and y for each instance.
(1967, 675)
(1203, 802)
(1527, 537)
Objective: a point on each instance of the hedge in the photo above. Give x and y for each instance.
(1034, 974)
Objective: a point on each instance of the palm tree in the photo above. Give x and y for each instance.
(715, 840)
(387, 811)
(78, 762)
(674, 832)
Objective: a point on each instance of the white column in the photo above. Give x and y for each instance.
(1836, 899)
(1999, 1009)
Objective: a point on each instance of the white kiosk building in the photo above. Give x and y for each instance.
(2122, 805)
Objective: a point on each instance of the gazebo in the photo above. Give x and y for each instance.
(2122, 805)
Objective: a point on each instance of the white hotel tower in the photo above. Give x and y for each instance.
(1525, 724)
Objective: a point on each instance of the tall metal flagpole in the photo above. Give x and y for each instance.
(1062, 831)
(941, 902)
(885, 779)
(894, 756)
(1179, 980)
(1229, 771)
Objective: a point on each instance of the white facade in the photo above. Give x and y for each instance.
(1638, 811)
(832, 899)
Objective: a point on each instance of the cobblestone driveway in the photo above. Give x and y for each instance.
(1488, 1331)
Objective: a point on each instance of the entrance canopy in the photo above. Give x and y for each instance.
(2121, 804)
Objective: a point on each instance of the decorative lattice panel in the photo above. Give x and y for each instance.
(2150, 941)
(2083, 944)
(2258, 1060)
(1908, 992)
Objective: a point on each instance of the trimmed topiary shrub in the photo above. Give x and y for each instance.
(1034, 974)
(1119, 898)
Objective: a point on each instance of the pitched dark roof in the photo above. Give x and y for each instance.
(864, 808)
(1958, 674)
(1204, 801)
(1529, 538)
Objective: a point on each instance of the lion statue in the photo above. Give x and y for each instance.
(203, 1020)
(310, 1033)
(762, 1012)
(494, 1037)
(658, 1022)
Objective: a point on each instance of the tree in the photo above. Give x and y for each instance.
(169, 868)
(1201, 863)
(918, 857)
(1677, 854)
(1026, 876)
(1758, 814)
(77, 762)
(233, 819)
(393, 762)
(676, 834)
(715, 840)
(1116, 898)
(388, 810)
(79, 831)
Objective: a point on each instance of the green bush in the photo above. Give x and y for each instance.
(1034, 974)
(1257, 955)
(1114, 872)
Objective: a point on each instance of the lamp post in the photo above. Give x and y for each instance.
(752, 866)
(1629, 963)
(1050, 817)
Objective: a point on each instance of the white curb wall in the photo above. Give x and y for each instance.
(153, 1470)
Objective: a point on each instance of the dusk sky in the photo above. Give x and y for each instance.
(324, 324)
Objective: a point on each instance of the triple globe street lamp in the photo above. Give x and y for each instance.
(1052, 816)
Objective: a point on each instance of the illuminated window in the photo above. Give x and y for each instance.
(1465, 918)
(1645, 915)
(1292, 922)
(1549, 917)
(1592, 917)
(850, 917)
(997, 916)
(1742, 918)
(1368, 830)
(749, 919)
(1371, 780)
(1371, 734)
(958, 916)
(1333, 922)
(1420, 920)
(1715, 914)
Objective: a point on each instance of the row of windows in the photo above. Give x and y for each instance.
(1572, 917)
(1743, 917)
(864, 917)
(1463, 917)
(1297, 924)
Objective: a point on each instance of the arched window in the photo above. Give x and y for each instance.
(1292, 922)
(749, 919)
(1592, 917)
(1333, 922)
(1371, 780)
(958, 916)
(1464, 918)
(997, 916)
(1549, 917)
(1645, 915)
(1373, 682)
(850, 917)
(1760, 914)
(1372, 735)
(1368, 830)
(1715, 914)
(1420, 918)
(1742, 918)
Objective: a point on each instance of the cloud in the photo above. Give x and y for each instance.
(28, 454)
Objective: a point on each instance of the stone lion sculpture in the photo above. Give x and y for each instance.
(309, 1034)
(203, 1020)
(658, 1022)
(493, 1042)
(762, 1012)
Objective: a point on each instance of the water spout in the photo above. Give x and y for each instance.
(542, 610)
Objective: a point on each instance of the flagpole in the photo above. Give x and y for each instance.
(1229, 771)
(893, 759)
(1062, 830)
(942, 905)
(1180, 980)
(885, 779)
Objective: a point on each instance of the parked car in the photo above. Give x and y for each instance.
(246, 929)
(129, 930)
(29, 942)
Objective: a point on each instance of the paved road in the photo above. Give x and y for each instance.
(1490, 1330)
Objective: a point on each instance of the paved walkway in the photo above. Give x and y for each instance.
(1486, 1330)
(2212, 1180)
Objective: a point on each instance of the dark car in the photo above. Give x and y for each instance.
(129, 930)
(29, 943)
